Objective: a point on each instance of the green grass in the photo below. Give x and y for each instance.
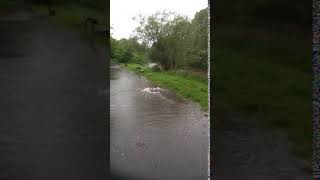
(73, 16)
(268, 78)
(188, 86)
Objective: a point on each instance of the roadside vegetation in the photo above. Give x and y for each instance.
(266, 76)
(73, 14)
(4, 4)
(263, 66)
(178, 47)
(185, 84)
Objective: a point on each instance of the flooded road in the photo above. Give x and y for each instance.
(155, 134)
(51, 114)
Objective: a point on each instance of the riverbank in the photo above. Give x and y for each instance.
(189, 86)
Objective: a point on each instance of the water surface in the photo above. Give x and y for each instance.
(155, 135)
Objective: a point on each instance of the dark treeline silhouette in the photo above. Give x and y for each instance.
(98, 4)
(264, 12)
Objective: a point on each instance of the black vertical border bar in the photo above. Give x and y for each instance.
(211, 82)
(107, 120)
(316, 89)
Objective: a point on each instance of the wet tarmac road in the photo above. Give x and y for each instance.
(245, 150)
(155, 135)
(52, 117)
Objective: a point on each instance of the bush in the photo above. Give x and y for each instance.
(156, 69)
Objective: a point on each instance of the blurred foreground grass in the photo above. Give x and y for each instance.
(267, 76)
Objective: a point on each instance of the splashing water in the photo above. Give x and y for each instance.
(151, 90)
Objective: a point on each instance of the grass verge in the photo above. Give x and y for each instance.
(73, 16)
(4, 4)
(269, 77)
(188, 86)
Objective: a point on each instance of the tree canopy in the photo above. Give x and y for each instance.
(171, 39)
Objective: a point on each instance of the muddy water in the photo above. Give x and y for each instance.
(155, 135)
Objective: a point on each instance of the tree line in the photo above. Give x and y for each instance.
(170, 39)
(96, 4)
(296, 12)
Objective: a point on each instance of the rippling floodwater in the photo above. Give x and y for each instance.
(155, 135)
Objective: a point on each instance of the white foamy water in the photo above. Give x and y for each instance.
(151, 90)
(151, 65)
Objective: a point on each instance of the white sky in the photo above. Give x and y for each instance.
(122, 12)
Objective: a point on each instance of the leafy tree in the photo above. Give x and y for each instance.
(113, 47)
(162, 31)
(127, 50)
(168, 38)
(200, 38)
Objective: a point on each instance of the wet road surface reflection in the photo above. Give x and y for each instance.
(51, 114)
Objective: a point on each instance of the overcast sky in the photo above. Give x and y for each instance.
(122, 12)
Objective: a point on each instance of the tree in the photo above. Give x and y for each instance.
(179, 41)
(170, 39)
(113, 47)
(128, 50)
(200, 38)
(163, 32)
